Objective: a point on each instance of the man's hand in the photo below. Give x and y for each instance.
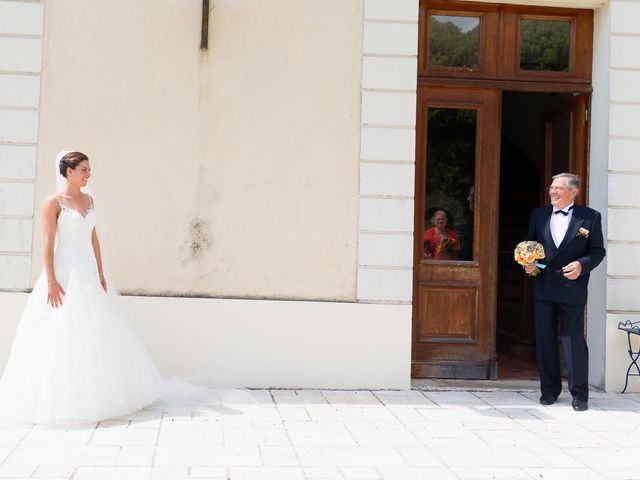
(572, 270)
(529, 267)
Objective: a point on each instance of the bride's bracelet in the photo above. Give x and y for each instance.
(51, 282)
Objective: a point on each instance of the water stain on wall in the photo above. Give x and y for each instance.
(199, 238)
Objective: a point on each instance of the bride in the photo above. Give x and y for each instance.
(74, 357)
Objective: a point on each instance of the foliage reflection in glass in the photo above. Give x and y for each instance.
(454, 41)
(545, 45)
(450, 174)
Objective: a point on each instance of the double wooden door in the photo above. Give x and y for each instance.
(455, 279)
(458, 178)
(469, 53)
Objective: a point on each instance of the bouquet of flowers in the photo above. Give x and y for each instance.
(526, 253)
(444, 245)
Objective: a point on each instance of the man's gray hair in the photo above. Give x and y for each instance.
(572, 180)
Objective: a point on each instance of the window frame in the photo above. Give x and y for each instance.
(500, 37)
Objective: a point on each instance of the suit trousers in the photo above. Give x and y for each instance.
(571, 320)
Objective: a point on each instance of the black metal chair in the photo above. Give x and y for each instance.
(632, 328)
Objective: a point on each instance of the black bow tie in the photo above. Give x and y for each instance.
(563, 212)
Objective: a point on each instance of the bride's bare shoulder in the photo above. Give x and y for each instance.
(51, 202)
(53, 198)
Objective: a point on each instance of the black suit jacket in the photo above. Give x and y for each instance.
(551, 285)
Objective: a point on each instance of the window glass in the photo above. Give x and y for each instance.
(545, 45)
(450, 190)
(454, 41)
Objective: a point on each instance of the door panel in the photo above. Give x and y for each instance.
(448, 314)
(457, 164)
(565, 130)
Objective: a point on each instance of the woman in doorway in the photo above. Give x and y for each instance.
(440, 242)
(74, 357)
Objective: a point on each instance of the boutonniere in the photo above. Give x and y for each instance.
(583, 232)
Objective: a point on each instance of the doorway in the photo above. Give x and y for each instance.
(540, 136)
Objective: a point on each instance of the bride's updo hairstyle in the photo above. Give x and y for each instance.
(71, 160)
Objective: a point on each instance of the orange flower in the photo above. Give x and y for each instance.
(527, 253)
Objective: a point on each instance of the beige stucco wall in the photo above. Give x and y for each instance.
(227, 173)
(292, 344)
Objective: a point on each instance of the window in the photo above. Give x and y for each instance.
(450, 176)
(509, 43)
(545, 45)
(454, 41)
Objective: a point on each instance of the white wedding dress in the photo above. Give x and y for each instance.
(81, 361)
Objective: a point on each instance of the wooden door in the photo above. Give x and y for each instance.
(457, 171)
(565, 137)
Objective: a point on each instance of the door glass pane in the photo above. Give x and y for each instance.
(545, 45)
(450, 191)
(454, 41)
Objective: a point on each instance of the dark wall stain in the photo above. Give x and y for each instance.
(199, 238)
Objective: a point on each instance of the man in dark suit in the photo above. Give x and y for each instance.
(573, 245)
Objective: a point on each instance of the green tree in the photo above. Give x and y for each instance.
(451, 154)
(544, 45)
(450, 46)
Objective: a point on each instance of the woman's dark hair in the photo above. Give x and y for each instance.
(71, 160)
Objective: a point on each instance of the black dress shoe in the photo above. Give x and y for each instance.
(579, 405)
(548, 399)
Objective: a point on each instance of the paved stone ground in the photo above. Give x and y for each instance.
(312, 434)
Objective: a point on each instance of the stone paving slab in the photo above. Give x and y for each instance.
(359, 435)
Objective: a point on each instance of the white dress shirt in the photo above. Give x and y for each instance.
(560, 224)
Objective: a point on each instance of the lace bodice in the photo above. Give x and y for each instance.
(74, 250)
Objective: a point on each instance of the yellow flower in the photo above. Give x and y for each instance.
(583, 232)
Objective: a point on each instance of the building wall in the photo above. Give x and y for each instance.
(623, 266)
(231, 172)
(387, 152)
(21, 26)
(598, 191)
(236, 172)
(258, 343)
